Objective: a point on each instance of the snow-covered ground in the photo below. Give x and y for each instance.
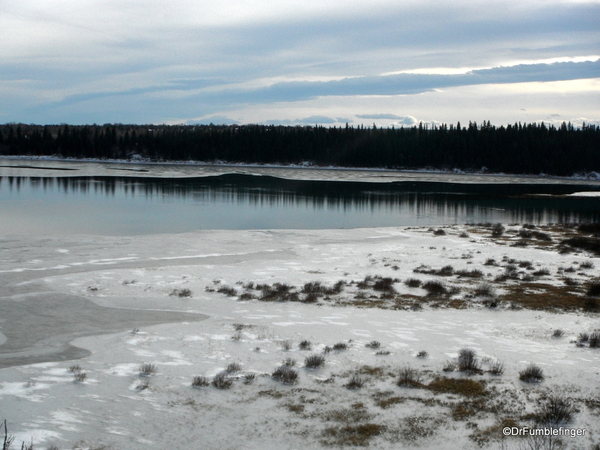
(193, 304)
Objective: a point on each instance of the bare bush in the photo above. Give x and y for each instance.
(594, 290)
(497, 230)
(289, 362)
(531, 374)
(558, 333)
(449, 366)
(314, 361)
(183, 293)
(287, 345)
(435, 287)
(340, 346)
(485, 290)
(422, 354)
(233, 368)
(496, 368)
(249, 378)
(409, 377)
(147, 369)
(75, 368)
(412, 282)
(200, 381)
(468, 361)
(556, 411)
(373, 344)
(594, 341)
(222, 381)
(356, 382)
(305, 345)
(80, 376)
(285, 374)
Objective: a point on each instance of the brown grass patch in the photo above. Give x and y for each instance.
(386, 403)
(544, 296)
(466, 387)
(355, 435)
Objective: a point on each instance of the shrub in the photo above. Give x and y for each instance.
(200, 381)
(340, 346)
(327, 349)
(531, 374)
(409, 377)
(589, 228)
(475, 273)
(75, 368)
(289, 362)
(384, 284)
(489, 262)
(558, 333)
(439, 232)
(467, 361)
(314, 361)
(586, 265)
(497, 230)
(497, 368)
(594, 341)
(285, 374)
(583, 338)
(541, 272)
(143, 385)
(233, 368)
(181, 293)
(449, 366)
(485, 290)
(222, 381)
(249, 378)
(413, 282)
(310, 298)
(305, 345)
(373, 344)
(314, 287)
(147, 369)
(80, 376)
(556, 411)
(594, 290)
(422, 354)
(237, 336)
(356, 382)
(382, 353)
(435, 287)
(525, 233)
(287, 345)
(591, 244)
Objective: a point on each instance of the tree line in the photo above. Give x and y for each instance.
(518, 149)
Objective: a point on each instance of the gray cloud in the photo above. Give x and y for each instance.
(135, 63)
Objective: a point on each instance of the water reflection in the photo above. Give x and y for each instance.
(234, 201)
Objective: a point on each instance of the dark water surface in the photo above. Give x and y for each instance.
(128, 205)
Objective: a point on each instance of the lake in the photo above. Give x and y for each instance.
(60, 197)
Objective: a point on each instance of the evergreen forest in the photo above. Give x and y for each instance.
(534, 148)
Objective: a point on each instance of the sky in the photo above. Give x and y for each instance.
(331, 62)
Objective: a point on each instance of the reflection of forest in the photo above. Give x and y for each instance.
(506, 203)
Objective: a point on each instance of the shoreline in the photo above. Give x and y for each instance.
(593, 177)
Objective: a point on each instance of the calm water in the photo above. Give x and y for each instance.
(164, 201)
